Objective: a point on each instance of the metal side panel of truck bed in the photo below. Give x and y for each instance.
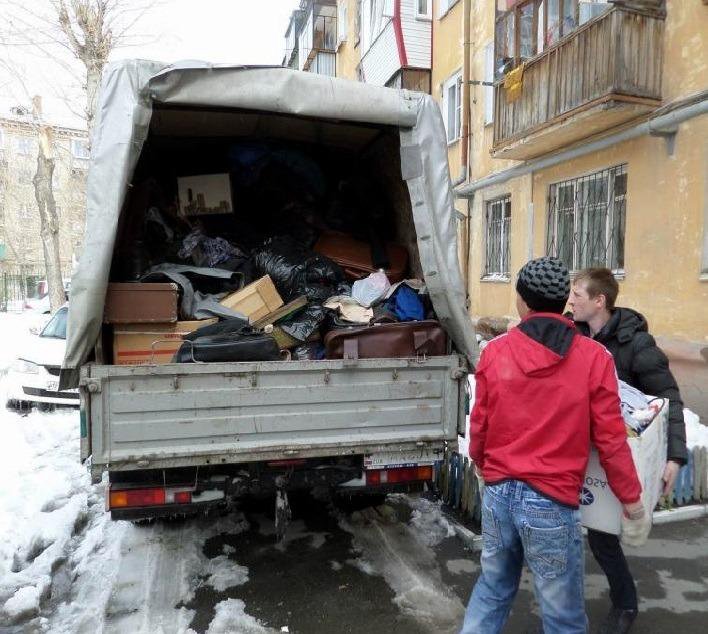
(145, 417)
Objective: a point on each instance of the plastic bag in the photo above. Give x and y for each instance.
(313, 351)
(406, 304)
(371, 289)
(297, 271)
(303, 323)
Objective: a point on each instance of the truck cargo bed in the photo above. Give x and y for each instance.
(224, 413)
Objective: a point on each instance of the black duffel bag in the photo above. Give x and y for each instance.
(243, 344)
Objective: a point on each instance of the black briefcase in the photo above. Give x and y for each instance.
(245, 344)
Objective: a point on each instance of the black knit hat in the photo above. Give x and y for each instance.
(544, 284)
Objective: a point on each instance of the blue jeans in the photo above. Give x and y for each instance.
(519, 524)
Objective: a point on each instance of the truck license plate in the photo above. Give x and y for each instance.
(52, 386)
(387, 459)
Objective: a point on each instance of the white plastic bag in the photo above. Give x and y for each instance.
(371, 289)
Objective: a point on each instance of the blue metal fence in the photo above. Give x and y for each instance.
(457, 486)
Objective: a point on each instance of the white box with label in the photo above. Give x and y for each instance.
(599, 508)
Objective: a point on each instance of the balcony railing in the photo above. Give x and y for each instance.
(613, 61)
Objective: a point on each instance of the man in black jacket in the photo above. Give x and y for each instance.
(641, 364)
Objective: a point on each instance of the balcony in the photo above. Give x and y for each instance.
(317, 41)
(604, 74)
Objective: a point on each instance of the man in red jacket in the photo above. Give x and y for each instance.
(543, 394)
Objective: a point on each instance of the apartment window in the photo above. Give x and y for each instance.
(497, 248)
(489, 77)
(80, 149)
(423, 9)
(24, 145)
(452, 107)
(586, 219)
(342, 21)
(529, 26)
(445, 6)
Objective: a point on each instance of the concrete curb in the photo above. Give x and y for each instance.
(681, 514)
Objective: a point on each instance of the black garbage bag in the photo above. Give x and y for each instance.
(313, 351)
(295, 270)
(303, 323)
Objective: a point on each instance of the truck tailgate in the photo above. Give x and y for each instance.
(197, 414)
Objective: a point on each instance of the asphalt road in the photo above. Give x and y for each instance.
(316, 581)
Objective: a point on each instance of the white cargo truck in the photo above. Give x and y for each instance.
(181, 438)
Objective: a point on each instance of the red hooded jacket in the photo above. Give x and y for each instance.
(543, 394)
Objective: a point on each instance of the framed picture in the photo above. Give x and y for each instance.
(206, 194)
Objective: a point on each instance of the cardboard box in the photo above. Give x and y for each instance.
(141, 303)
(599, 508)
(204, 195)
(255, 300)
(141, 344)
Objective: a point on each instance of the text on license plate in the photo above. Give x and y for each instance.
(399, 458)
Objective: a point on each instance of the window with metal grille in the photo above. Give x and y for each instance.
(586, 220)
(498, 226)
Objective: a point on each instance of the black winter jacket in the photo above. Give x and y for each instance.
(644, 366)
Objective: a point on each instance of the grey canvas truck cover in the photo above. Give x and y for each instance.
(122, 400)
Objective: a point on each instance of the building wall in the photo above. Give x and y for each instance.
(447, 60)
(416, 35)
(19, 214)
(349, 51)
(667, 196)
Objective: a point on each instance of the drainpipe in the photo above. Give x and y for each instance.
(664, 125)
(466, 109)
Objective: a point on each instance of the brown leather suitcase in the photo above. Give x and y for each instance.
(141, 303)
(409, 339)
(354, 256)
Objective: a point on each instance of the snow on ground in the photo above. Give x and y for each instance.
(47, 497)
(231, 617)
(696, 431)
(401, 554)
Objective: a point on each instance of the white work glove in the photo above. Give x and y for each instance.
(636, 524)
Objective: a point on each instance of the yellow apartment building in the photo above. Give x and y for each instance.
(599, 155)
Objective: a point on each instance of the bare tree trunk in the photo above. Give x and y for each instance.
(49, 222)
(93, 85)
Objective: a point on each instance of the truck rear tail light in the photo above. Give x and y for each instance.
(136, 497)
(398, 475)
(183, 497)
(154, 496)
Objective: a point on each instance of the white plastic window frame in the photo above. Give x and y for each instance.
(452, 81)
(428, 14)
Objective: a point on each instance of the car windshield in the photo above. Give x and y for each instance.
(56, 328)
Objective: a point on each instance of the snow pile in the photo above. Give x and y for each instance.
(428, 522)
(225, 573)
(696, 432)
(43, 505)
(15, 334)
(231, 617)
